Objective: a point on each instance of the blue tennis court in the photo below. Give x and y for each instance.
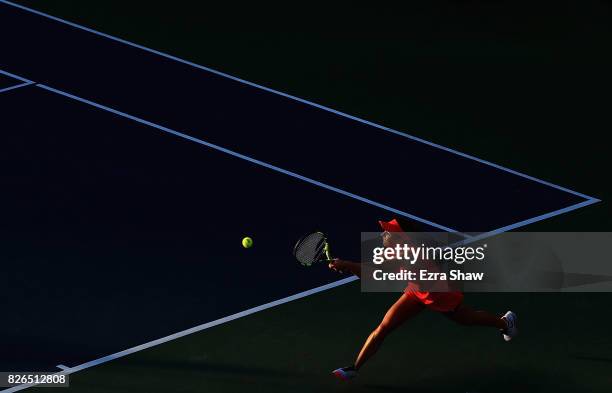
(130, 176)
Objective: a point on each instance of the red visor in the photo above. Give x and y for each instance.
(391, 226)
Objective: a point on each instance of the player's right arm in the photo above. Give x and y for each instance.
(343, 266)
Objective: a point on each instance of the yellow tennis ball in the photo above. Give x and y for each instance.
(247, 242)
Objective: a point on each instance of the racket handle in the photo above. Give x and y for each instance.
(327, 252)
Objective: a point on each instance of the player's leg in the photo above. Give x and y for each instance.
(406, 307)
(465, 315)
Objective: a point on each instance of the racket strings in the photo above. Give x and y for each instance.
(310, 249)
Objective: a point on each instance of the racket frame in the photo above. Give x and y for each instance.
(326, 249)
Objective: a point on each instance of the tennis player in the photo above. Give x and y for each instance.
(412, 302)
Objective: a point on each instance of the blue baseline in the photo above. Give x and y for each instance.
(247, 158)
(24, 84)
(178, 59)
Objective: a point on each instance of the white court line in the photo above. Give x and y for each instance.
(204, 326)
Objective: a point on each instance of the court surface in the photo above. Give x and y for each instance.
(130, 177)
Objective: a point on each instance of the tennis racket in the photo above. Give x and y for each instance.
(312, 248)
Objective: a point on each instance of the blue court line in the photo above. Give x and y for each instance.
(16, 86)
(222, 74)
(532, 220)
(108, 358)
(315, 182)
(15, 76)
(247, 158)
(71, 370)
(506, 228)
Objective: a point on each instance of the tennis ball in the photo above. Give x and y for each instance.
(247, 242)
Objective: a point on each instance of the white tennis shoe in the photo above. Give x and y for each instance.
(345, 373)
(511, 330)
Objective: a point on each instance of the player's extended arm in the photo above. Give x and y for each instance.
(342, 266)
(356, 268)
